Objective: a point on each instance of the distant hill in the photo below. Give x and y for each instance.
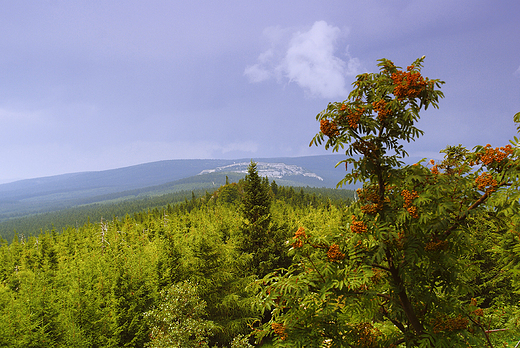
(68, 190)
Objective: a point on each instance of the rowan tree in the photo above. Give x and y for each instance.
(400, 272)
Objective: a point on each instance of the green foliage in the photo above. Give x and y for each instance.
(241, 342)
(256, 201)
(90, 285)
(256, 209)
(178, 321)
(132, 297)
(403, 268)
(79, 215)
(229, 193)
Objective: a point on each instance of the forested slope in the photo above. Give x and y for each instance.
(42, 195)
(137, 201)
(95, 284)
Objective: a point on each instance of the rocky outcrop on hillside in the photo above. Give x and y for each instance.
(270, 170)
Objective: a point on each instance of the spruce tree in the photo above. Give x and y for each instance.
(262, 239)
(132, 297)
(256, 205)
(256, 201)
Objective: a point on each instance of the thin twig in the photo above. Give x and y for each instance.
(481, 328)
(316, 269)
(381, 267)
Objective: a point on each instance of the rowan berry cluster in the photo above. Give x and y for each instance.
(299, 238)
(491, 155)
(334, 254)
(413, 212)
(443, 323)
(486, 180)
(408, 199)
(371, 208)
(409, 196)
(371, 197)
(409, 84)
(401, 239)
(367, 335)
(279, 329)
(328, 128)
(478, 312)
(358, 227)
(436, 245)
(353, 116)
(382, 110)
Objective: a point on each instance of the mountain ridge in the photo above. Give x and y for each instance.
(62, 191)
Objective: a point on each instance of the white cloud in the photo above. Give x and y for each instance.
(517, 72)
(308, 59)
(256, 73)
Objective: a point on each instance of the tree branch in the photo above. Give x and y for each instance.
(405, 301)
(463, 216)
(481, 328)
(398, 324)
(314, 266)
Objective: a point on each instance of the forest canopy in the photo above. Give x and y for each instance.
(118, 282)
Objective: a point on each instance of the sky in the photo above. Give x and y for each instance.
(94, 85)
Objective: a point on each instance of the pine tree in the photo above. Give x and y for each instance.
(256, 204)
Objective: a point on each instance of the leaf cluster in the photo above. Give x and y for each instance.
(375, 119)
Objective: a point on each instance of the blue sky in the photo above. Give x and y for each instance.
(94, 85)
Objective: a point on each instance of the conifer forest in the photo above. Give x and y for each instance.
(421, 255)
